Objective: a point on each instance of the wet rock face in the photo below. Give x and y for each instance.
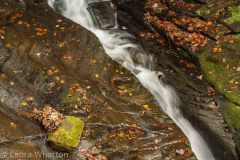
(48, 60)
(15, 128)
(47, 57)
(59, 5)
(106, 19)
(15, 132)
(171, 24)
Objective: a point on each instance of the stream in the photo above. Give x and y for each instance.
(131, 55)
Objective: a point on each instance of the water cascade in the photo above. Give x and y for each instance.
(131, 55)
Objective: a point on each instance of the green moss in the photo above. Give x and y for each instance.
(204, 11)
(232, 47)
(235, 15)
(75, 98)
(67, 136)
(233, 116)
(219, 75)
(211, 10)
(237, 39)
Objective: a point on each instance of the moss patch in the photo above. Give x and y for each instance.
(222, 69)
(233, 116)
(75, 96)
(67, 136)
(212, 10)
(234, 15)
(204, 11)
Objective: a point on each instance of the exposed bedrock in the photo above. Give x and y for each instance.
(58, 63)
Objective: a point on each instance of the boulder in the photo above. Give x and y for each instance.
(67, 136)
(103, 14)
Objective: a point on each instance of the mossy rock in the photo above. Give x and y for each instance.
(211, 9)
(68, 135)
(232, 113)
(75, 99)
(233, 19)
(204, 11)
(222, 68)
(75, 95)
(234, 15)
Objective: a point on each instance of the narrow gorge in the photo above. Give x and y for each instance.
(138, 73)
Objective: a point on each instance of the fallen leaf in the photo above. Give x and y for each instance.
(200, 77)
(213, 105)
(23, 104)
(156, 141)
(12, 83)
(13, 125)
(210, 90)
(134, 125)
(145, 106)
(238, 69)
(62, 44)
(180, 151)
(62, 81)
(30, 99)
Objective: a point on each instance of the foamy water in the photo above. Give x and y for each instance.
(118, 46)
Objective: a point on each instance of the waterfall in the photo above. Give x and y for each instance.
(132, 56)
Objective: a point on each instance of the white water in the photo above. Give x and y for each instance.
(119, 47)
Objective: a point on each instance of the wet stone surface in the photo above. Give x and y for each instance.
(54, 62)
(178, 33)
(103, 20)
(60, 64)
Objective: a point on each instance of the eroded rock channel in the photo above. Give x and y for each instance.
(47, 60)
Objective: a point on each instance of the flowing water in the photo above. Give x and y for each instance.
(119, 46)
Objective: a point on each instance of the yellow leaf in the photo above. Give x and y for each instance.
(13, 125)
(23, 104)
(62, 44)
(93, 61)
(145, 106)
(134, 125)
